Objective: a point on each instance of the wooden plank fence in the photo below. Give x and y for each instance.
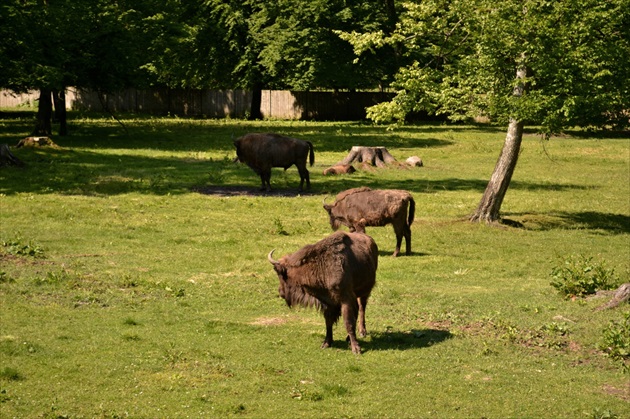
(275, 104)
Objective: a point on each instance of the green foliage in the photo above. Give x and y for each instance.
(601, 414)
(616, 341)
(579, 276)
(10, 374)
(17, 247)
(464, 56)
(73, 43)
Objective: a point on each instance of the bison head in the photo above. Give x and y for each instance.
(334, 221)
(281, 271)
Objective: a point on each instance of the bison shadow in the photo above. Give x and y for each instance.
(413, 339)
(389, 253)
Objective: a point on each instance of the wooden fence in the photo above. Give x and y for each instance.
(275, 104)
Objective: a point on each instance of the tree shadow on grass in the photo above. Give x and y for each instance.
(604, 223)
(413, 339)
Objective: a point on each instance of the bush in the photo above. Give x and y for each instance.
(616, 341)
(16, 247)
(579, 276)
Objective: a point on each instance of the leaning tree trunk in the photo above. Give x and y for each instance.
(488, 209)
(43, 126)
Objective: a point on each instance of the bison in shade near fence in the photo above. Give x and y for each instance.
(261, 152)
(360, 207)
(335, 275)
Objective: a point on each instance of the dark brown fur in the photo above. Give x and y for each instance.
(360, 207)
(261, 152)
(340, 169)
(335, 275)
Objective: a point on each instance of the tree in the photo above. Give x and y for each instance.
(80, 43)
(554, 65)
(276, 44)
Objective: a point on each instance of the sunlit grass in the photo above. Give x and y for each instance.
(153, 298)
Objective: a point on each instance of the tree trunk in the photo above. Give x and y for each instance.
(44, 114)
(59, 100)
(256, 102)
(490, 205)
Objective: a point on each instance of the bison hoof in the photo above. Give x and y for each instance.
(326, 345)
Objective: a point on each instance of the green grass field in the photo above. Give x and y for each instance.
(130, 287)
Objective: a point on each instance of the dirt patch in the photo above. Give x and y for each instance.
(622, 392)
(268, 321)
(247, 191)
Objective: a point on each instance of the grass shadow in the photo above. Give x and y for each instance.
(584, 220)
(413, 339)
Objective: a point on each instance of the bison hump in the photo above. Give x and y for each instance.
(330, 249)
(342, 195)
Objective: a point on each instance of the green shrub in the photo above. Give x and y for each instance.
(616, 341)
(579, 276)
(10, 374)
(16, 247)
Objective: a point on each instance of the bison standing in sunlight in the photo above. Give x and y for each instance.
(335, 275)
(261, 152)
(360, 207)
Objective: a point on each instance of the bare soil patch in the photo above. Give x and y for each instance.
(623, 393)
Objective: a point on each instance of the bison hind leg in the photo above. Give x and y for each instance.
(349, 313)
(362, 303)
(408, 239)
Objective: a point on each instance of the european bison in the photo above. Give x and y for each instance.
(340, 169)
(335, 275)
(261, 152)
(360, 207)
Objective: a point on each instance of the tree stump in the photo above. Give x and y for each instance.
(376, 156)
(414, 161)
(622, 294)
(7, 158)
(36, 142)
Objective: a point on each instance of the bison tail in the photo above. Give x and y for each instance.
(412, 211)
(311, 153)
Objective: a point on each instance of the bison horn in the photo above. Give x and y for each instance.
(271, 259)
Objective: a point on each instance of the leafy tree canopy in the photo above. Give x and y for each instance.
(464, 55)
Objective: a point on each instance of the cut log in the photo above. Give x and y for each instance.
(414, 161)
(376, 156)
(7, 158)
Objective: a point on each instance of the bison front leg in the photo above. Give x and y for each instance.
(349, 313)
(331, 314)
(304, 176)
(265, 178)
